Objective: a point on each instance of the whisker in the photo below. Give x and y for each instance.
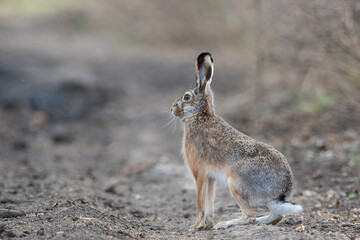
(173, 128)
(167, 112)
(170, 122)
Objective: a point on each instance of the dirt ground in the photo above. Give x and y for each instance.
(84, 153)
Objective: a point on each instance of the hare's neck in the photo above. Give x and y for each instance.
(195, 125)
(196, 121)
(192, 137)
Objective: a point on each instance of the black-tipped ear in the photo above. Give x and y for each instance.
(204, 70)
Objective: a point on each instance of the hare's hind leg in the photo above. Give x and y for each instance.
(277, 210)
(270, 219)
(274, 217)
(244, 204)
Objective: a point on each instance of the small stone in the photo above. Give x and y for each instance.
(291, 221)
(111, 189)
(41, 232)
(62, 138)
(20, 145)
(141, 235)
(308, 193)
(187, 215)
(300, 228)
(10, 234)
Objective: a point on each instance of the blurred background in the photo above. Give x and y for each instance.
(86, 88)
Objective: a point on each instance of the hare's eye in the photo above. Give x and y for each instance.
(186, 97)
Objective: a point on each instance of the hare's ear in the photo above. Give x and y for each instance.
(204, 69)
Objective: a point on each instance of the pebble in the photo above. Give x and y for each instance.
(10, 234)
(41, 232)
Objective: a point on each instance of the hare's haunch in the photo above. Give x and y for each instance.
(255, 172)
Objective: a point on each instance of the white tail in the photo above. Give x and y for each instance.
(284, 208)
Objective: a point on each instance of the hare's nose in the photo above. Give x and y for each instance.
(172, 107)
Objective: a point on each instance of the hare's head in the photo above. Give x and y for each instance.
(199, 99)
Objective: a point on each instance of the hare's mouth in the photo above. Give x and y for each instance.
(177, 114)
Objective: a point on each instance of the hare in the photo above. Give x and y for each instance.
(255, 172)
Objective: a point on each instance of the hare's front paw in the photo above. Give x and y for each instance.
(197, 226)
(202, 225)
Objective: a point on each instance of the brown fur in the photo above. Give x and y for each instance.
(255, 172)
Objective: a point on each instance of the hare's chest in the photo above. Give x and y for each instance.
(198, 163)
(191, 153)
